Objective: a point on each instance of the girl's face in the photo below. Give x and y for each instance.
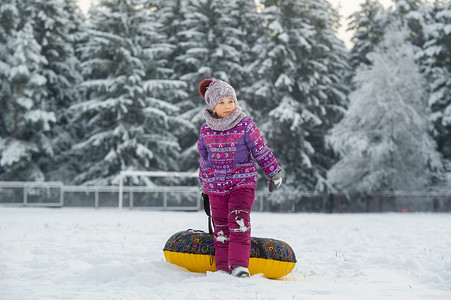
(224, 107)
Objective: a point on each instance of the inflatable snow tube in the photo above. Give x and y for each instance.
(194, 250)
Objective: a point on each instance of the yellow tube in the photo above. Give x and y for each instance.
(202, 263)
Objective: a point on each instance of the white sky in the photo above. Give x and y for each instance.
(346, 7)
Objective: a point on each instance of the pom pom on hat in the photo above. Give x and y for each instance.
(203, 86)
(214, 90)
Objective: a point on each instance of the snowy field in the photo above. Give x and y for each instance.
(111, 254)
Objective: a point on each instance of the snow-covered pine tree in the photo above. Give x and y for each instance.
(233, 53)
(171, 15)
(9, 19)
(368, 25)
(211, 44)
(436, 62)
(211, 41)
(370, 22)
(54, 29)
(412, 14)
(162, 85)
(383, 139)
(57, 27)
(25, 118)
(249, 26)
(198, 37)
(300, 91)
(126, 121)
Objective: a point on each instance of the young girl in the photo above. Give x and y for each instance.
(229, 175)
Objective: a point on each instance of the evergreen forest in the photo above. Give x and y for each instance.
(84, 97)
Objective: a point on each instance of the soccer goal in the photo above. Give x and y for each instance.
(163, 189)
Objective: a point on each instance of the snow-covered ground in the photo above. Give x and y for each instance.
(111, 254)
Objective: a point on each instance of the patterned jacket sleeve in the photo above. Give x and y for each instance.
(202, 150)
(262, 154)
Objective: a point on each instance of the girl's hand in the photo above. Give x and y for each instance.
(274, 182)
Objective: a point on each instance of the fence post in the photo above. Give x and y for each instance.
(121, 189)
(96, 197)
(62, 194)
(25, 195)
(131, 199)
(165, 200)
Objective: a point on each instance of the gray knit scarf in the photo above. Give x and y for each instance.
(223, 124)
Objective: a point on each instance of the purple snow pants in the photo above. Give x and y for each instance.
(232, 235)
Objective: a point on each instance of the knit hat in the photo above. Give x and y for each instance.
(214, 90)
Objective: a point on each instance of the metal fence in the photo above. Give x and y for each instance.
(56, 194)
(341, 203)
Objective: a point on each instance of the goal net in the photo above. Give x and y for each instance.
(167, 194)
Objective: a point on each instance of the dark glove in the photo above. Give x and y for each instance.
(274, 182)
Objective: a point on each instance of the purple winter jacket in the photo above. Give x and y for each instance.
(225, 158)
